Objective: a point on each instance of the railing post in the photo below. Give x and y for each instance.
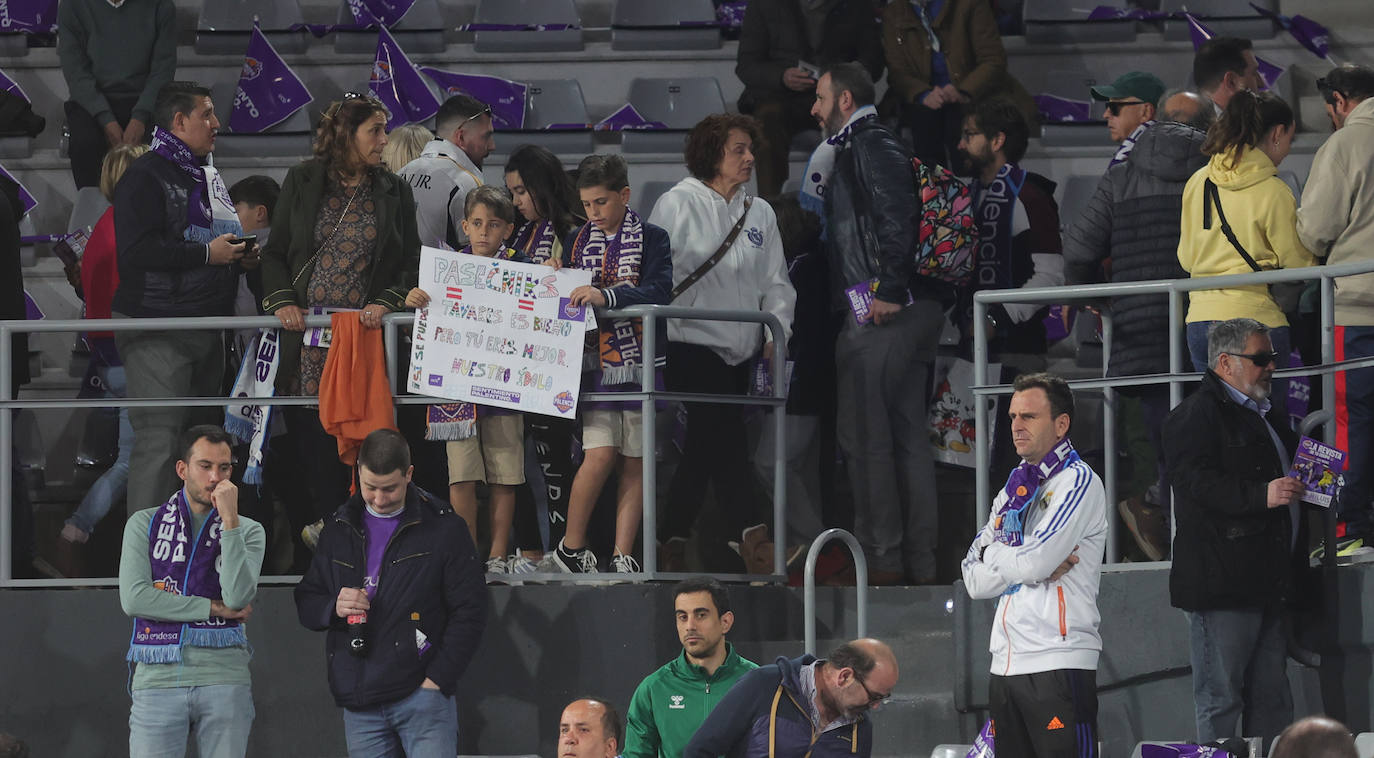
(981, 444)
(648, 463)
(1328, 310)
(7, 469)
(392, 352)
(1175, 353)
(809, 584)
(779, 371)
(1109, 409)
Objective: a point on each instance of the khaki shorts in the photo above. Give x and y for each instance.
(622, 430)
(495, 455)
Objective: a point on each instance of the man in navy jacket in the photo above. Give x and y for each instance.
(802, 706)
(400, 562)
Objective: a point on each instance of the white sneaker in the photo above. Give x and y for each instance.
(625, 564)
(496, 565)
(519, 564)
(547, 565)
(580, 562)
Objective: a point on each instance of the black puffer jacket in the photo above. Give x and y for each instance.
(1133, 219)
(1231, 551)
(161, 273)
(430, 582)
(870, 210)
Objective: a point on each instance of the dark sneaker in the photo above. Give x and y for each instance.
(574, 561)
(1147, 525)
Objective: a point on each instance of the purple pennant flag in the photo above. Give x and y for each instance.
(388, 12)
(1268, 72)
(399, 85)
(25, 197)
(9, 85)
(1055, 109)
(269, 91)
(29, 16)
(628, 118)
(505, 97)
(31, 310)
(1307, 32)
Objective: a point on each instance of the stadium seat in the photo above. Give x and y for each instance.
(87, 209)
(520, 12)
(290, 138)
(648, 193)
(664, 25)
(224, 25)
(1364, 745)
(1074, 194)
(550, 102)
(14, 44)
(950, 751)
(1057, 22)
(678, 103)
(1227, 18)
(1074, 85)
(420, 30)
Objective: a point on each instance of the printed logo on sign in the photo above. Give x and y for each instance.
(489, 393)
(563, 401)
(436, 380)
(381, 71)
(755, 236)
(675, 702)
(569, 312)
(252, 67)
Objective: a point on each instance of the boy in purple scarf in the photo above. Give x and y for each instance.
(187, 575)
(630, 265)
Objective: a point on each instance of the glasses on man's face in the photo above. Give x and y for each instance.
(1115, 107)
(1259, 359)
(875, 699)
(486, 111)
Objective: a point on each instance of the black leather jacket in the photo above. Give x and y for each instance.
(871, 211)
(161, 273)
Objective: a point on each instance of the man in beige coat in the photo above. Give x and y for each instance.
(1336, 221)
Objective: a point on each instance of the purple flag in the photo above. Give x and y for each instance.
(31, 310)
(1055, 109)
(399, 85)
(1109, 13)
(505, 97)
(388, 12)
(1307, 32)
(730, 14)
(516, 27)
(29, 16)
(9, 85)
(25, 197)
(628, 118)
(1269, 73)
(269, 91)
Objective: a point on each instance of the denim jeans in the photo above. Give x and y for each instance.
(1356, 426)
(424, 724)
(219, 717)
(1280, 337)
(1240, 675)
(114, 483)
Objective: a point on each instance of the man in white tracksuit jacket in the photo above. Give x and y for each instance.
(1041, 552)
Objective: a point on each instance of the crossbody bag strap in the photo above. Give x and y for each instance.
(716, 257)
(1212, 196)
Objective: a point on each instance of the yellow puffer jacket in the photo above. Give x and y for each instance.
(1263, 215)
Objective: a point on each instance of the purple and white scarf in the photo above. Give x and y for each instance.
(171, 147)
(1023, 487)
(182, 566)
(250, 422)
(615, 263)
(993, 267)
(1128, 144)
(535, 239)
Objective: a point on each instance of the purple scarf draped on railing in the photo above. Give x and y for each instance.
(182, 567)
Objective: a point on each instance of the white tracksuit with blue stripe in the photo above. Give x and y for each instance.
(1044, 625)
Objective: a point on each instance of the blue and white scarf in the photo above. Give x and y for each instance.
(822, 163)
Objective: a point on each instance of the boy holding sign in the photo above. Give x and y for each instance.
(494, 451)
(630, 265)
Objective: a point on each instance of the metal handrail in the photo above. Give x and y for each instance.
(809, 582)
(647, 395)
(1175, 290)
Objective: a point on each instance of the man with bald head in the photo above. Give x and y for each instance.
(1184, 107)
(590, 727)
(1315, 737)
(802, 706)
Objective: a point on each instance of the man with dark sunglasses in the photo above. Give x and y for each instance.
(1131, 102)
(1336, 222)
(448, 169)
(1227, 449)
(802, 706)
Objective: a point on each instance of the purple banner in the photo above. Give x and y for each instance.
(516, 27)
(505, 97)
(11, 86)
(1055, 109)
(28, 16)
(399, 85)
(1109, 13)
(1307, 32)
(1268, 72)
(628, 118)
(269, 91)
(25, 197)
(386, 11)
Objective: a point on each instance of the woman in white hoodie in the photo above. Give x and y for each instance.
(701, 213)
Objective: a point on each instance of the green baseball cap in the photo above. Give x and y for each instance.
(1138, 84)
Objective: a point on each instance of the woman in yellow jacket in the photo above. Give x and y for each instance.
(1240, 184)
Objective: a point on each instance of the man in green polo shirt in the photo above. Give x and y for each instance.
(671, 703)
